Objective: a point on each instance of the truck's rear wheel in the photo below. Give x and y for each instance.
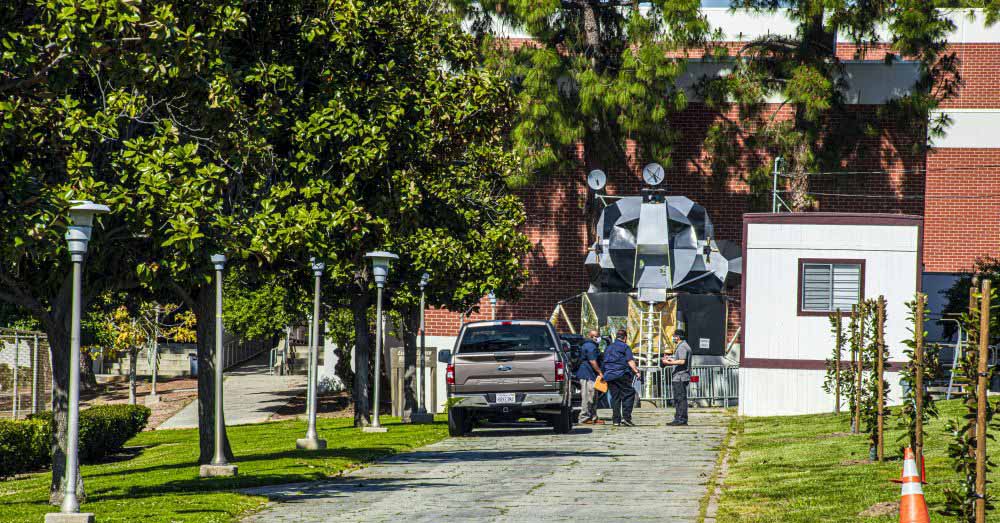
(563, 423)
(459, 422)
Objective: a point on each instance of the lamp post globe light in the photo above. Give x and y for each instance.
(312, 441)
(380, 271)
(219, 465)
(81, 216)
(421, 415)
(493, 305)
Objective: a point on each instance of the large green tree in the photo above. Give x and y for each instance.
(786, 94)
(87, 89)
(384, 133)
(598, 74)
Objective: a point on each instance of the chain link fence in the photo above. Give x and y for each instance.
(25, 373)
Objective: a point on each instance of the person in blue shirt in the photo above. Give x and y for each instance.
(588, 373)
(619, 371)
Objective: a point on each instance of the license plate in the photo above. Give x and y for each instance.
(506, 398)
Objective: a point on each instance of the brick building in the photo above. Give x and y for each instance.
(955, 186)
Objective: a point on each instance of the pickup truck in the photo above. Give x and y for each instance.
(503, 371)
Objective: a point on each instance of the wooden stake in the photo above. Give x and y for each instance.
(880, 364)
(836, 406)
(861, 367)
(918, 382)
(854, 355)
(984, 351)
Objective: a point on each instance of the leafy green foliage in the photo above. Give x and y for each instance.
(814, 128)
(259, 306)
(104, 429)
(24, 446)
(930, 367)
(960, 500)
(839, 374)
(597, 73)
(871, 409)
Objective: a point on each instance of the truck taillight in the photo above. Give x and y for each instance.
(449, 375)
(560, 371)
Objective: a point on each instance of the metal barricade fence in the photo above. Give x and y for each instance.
(25, 374)
(711, 386)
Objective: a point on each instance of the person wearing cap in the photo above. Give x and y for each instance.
(619, 371)
(681, 362)
(588, 373)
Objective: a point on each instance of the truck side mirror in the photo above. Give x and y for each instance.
(444, 356)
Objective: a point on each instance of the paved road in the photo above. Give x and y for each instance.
(648, 473)
(250, 395)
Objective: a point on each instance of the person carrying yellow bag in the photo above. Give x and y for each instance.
(589, 373)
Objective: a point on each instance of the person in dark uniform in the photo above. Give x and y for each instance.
(619, 371)
(588, 373)
(681, 362)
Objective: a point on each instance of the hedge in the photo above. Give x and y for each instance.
(104, 429)
(24, 445)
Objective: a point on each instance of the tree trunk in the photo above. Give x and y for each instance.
(133, 355)
(88, 380)
(58, 336)
(204, 310)
(362, 352)
(411, 320)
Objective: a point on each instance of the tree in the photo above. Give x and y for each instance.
(120, 332)
(804, 72)
(86, 89)
(385, 134)
(601, 74)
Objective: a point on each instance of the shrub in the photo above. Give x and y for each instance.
(24, 446)
(104, 429)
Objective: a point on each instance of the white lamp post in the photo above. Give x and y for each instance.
(380, 270)
(493, 304)
(219, 465)
(77, 237)
(312, 441)
(421, 416)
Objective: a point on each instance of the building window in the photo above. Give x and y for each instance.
(827, 286)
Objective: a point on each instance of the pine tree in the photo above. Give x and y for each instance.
(597, 73)
(819, 130)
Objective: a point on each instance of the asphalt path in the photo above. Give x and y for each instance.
(523, 473)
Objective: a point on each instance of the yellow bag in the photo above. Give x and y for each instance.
(601, 385)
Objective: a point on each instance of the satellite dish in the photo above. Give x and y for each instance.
(596, 180)
(653, 174)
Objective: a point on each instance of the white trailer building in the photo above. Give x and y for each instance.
(797, 269)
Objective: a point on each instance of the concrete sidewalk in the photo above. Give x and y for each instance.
(648, 473)
(249, 393)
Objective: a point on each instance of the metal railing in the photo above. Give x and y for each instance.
(238, 351)
(711, 385)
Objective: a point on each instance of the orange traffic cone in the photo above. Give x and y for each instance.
(912, 506)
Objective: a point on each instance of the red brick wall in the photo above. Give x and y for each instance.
(939, 185)
(962, 214)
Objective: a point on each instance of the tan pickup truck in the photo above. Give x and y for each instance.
(503, 371)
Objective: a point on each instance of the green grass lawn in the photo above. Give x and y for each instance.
(796, 469)
(161, 482)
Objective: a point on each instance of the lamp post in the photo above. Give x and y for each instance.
(77, 237)
(312, 441)
(421, 415)
(219, 465)
(493, 304)
(380, 270)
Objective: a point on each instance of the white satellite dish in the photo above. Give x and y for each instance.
(653, 174)
(596, 179)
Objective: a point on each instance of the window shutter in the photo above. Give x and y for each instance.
(817, 287)
(846, 286)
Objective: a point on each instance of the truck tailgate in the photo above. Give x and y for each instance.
(505, 372)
